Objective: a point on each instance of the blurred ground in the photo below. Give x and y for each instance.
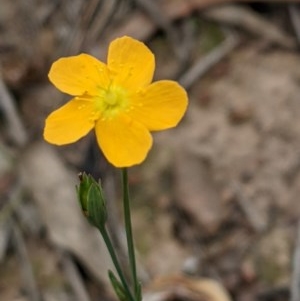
(215, 205)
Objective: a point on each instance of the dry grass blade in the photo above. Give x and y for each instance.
(205, 63)
(30, 285)
(248, 20)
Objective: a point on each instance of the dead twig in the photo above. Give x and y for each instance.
(294, 12)
(75, 280)
(103, 16)
(15, 127)
(295, 283)
(5, 232)
(13, 201)
(252, 215)
(94, 16)
(205, 63)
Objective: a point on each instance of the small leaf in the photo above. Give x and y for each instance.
(118, 287)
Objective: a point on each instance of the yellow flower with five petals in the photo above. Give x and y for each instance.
(118, 99)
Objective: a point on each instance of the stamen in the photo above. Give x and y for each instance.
(112, 101)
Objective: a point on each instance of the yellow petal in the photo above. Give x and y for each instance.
(70, 122)
(159, 106)
(123, 141)
(78, 75)
(131, 63)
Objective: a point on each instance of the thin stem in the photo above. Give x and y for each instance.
(129, 236)
(114, 258)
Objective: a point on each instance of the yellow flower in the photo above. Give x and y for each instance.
(117, 99)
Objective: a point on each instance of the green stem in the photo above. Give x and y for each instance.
(129, 236)
(114, 258)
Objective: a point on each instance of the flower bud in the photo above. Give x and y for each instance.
(91, 199)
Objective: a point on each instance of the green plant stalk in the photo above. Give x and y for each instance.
(114, 258)
(129, 236)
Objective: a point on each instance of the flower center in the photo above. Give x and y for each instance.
(111, 102)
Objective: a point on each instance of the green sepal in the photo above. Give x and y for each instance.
(118, 287)
(82, 190)
(96, 206)
(92, 201)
